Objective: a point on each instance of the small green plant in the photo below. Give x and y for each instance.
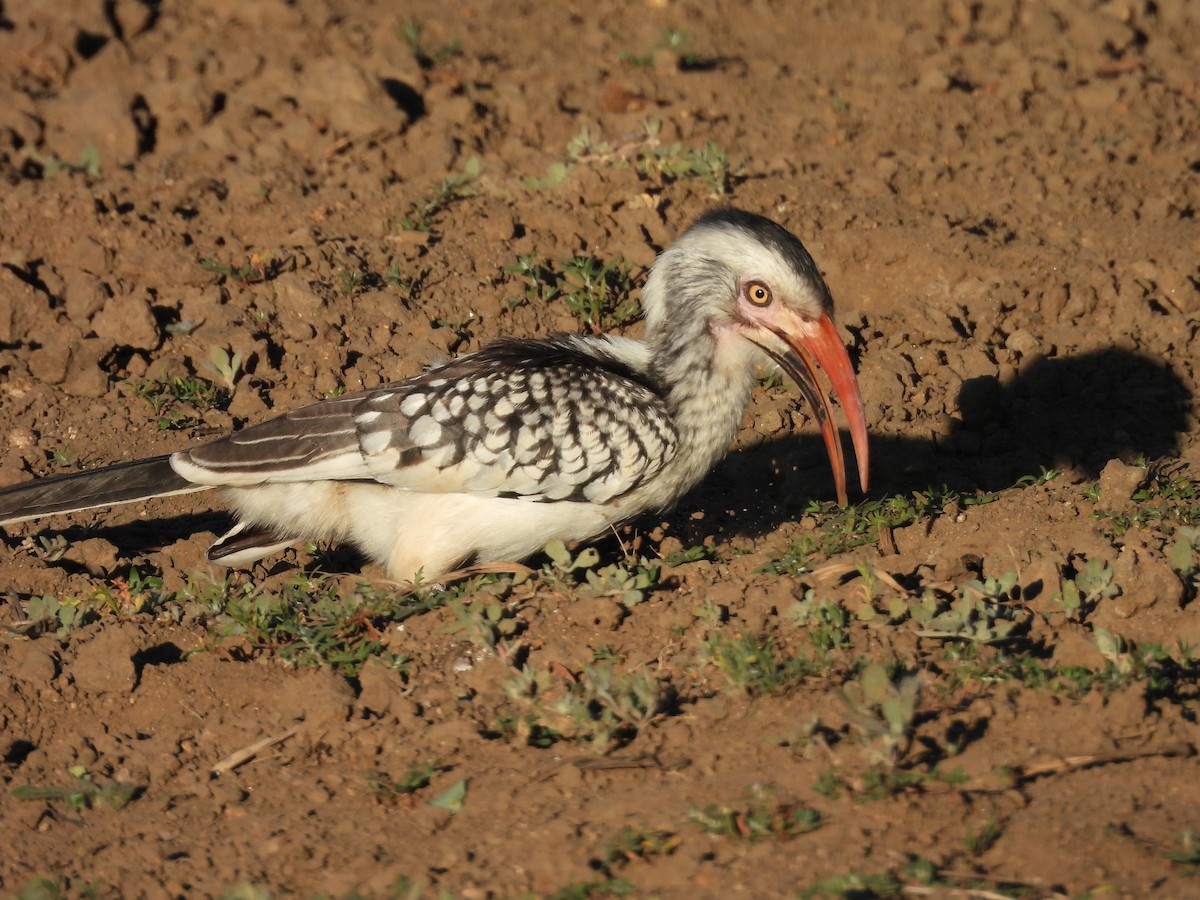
(978, 615)
(855, 886)
(675, 40)
(51, 164)
(423, 215)
(255, 269)
(410, 284)
(979, 842)
(760, 817)
(636, 843)
(599, 293)
(692, 554)
(825, 621)
(484, 622)
(226, 365)
(427, 56)
(749, 663)
(1168, 494)
(387, 789)
(1080, 595)
(538, 281)
(709, 164)
(84, 793)
(177, 400)
(60, 615)
(351, 280)
(1184, 556)
(879, 781)
(883, 710)
(451, 799)
(1187, 857)
(48, 549)
(598, 707)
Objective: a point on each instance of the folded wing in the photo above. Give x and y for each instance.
(544, 422)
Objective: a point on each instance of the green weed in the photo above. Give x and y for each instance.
(1169, 494)
(226, 365)
(709, 164)
(423, 215)
(50, 165)
(1080, 595)
(255, 269)
(760, 817)
(597, 707)
(177, 400)
(599, 293)
(387, 789)
(84, 793)
(427, 56)
(883, 710)
(749, 663)
(1187, 857)
(675, 40)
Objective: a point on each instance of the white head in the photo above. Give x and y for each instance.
(735, 281)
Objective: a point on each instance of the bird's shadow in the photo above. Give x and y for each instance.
(1074, 413)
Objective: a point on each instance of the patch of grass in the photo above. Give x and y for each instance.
(855, 886)
(628, 581)
(537, 279)
(427, 55)
(709, 164)
(979, 842)
(837, 529)
(226, 365)
(1169, 494)
(388, 790)
(597, 707)
(1080, 595)
(1184, 556)
(1174, 677)
(675, 40)
(351, 280)
(423, 215)
(254, 270)
(824, 620)
(1187, 857)
(760, 817)
(880, 781)
(177, 400)
(749, 663)
(50, 165)
(310, 621)
(599, 293)
(84, 793)
(883, 709)
(410, 285)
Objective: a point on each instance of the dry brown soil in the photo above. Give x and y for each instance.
(1003, 198)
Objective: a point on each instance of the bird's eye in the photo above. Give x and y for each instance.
(759, 294)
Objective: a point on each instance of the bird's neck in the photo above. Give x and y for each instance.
(705, 376)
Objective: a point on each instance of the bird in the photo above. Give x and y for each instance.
(490, 456)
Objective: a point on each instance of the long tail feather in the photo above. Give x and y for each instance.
(123, 483)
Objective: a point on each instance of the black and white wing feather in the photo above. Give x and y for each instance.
(564, 420)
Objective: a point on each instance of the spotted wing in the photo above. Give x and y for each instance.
(540, 420)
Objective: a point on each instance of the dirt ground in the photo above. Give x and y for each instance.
(793, 701)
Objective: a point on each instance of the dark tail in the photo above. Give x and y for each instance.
(125, 482)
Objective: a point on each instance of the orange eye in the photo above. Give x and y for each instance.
(759, 294)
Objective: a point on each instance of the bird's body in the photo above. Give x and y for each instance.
(492, 455)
